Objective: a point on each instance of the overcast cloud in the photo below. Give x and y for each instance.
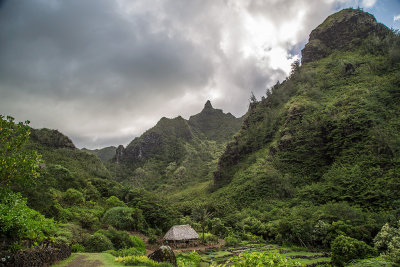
(104, 71)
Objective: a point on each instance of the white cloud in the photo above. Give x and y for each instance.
(104, 71)
(368, 3)
(396, 18)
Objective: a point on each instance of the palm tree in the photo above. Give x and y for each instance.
(201, 214)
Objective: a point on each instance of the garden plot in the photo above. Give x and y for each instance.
(220, 256)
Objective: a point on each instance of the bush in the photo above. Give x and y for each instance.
(210, 237)
(253, 225)
(122, 239)
(73, 197)
(98, 243)
(125, 218)
(72, 233)
(269, 258)
(77, 248)
(138, 242)
(140, 261)
(127, 252)
(17, 220)
(345, 249)
(188, 260)
(252, 237)
(113, 202)
(88, 220)
(388, 240)
(231, 240)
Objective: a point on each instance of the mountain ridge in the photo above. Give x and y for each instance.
(171, 147)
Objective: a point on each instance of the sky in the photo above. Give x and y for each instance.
(104, 71)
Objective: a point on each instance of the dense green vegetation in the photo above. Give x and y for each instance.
(55, 194)
(319, 156)
(315, 164)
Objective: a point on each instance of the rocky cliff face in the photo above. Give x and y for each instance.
(176, 151)
(341, 31)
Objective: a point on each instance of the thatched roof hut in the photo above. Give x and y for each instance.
(181, 236)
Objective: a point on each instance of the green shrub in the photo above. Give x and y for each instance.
(98, 243)
(232, 240)
(217, 227)
(253, 225)
(73, 233)
(344, 249)
(210, 237)
(77, 248)
(268, 258)
(252, 237)
(124, 218)
(139, 261)
(188, 260)
(388, 240)
(126, 252)
(138, 242)
(113, 202)
(17, 220)
(88, 219)
(122, 239)
(73, 197)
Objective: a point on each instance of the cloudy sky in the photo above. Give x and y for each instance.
(104, 71)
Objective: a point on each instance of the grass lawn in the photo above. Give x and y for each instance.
(79, 259)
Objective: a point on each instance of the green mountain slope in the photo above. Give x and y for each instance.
(330, 132)
(63, 167)
(176, 152)
(75, 187)
(104, 154)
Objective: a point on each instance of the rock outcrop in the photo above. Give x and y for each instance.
(164, 254)
(341, 31)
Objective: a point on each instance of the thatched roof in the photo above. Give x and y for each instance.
(181, 232)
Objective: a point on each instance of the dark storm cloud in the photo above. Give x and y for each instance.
(103, 71)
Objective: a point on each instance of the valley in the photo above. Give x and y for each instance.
(309, 176)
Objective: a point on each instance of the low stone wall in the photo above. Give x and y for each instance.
(37, 257)
(182, 244)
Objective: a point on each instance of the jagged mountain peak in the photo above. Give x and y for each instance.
(208, 105)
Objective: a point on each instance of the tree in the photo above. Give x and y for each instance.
(295, 67)
(253, 98)
(201, 215)
(17, 164)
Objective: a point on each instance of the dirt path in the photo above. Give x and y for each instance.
(85, 261)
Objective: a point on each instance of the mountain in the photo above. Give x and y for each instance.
(176, 151)
(214, 124)
(104, 154)
(330, 131)
(63, 167)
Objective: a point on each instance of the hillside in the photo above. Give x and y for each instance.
(175, 152)
(104, 154)
(311, 171)
(324, 145)
(63, 166)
